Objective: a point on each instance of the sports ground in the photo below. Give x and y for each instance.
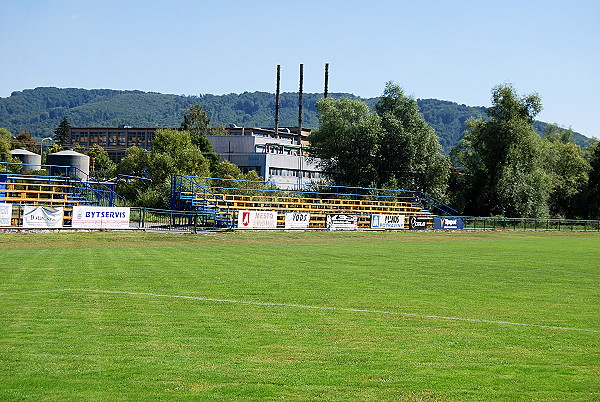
(300, 315)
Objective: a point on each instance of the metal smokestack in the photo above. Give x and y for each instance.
(277, 101)
(300, 105)
(326, 80)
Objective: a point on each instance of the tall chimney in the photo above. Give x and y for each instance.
(277, 101)
(300, 105)
(326, 80)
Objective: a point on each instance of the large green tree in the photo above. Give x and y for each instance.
(347, 141)
(409, 149)
(568, 169)
(501, 160)
(173, 152)
(592, 194)
(101, 166)
(62, 132)
(24, 140)
(392, 148)
(197, 123)
(5, 147)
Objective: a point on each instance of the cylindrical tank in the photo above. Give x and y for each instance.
(79, 163)
(30, 160)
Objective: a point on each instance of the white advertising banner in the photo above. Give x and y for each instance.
(42, 217)
(387, 221)
(90, 217)
(297, 220)
(5, 214)
(342, 222)
(257, 220)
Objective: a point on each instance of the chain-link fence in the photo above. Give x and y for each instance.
(499, 223)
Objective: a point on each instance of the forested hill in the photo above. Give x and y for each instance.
(40, 110)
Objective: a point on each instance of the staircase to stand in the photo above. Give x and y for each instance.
(187, 195)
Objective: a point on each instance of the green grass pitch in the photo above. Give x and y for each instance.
(300, 316)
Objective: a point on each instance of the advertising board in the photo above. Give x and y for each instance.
(342, 222)
(257, 220)
(448, 223)
(297, 220)
(5, 214)
(91, 217)
(418, 222)
(379, 221)
(42, 217)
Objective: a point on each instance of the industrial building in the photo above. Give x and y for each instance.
(277, 156)
(115, 140)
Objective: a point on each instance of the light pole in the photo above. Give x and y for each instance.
(42, 144)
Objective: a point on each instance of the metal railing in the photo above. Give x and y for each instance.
(317, 190)
(534, 224)
(173, 221)
(91, 189)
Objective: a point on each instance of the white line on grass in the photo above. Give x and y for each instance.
(356, 310)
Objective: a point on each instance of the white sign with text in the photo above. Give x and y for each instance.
(257, 220)
(42, 217)
(90, 217)
(5, 214)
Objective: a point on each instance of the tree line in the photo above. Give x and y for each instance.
(38, 111)
(501, 167)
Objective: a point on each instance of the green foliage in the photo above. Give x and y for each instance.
(409, 151)
(502, 158)
(227, 170)
(568, 169)
(5, 156)
(24, 140)
(592, 193)
(56, 147)
(135, 162)
(61, 134)
(347, 141)
(196, 121)
(448, 119)
(155, 196)
(394, 147)
(101, 167)
(173, 152)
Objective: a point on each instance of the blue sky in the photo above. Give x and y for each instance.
(451, 50)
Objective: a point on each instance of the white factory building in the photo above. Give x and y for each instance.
(279, 157)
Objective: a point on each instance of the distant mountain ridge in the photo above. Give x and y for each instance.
(40, 110)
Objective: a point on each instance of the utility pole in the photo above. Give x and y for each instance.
(277, 101)
(300, 126)
(326, 80)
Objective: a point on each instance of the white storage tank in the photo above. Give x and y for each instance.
(68, 157)
(30, 160)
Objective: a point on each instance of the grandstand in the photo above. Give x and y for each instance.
(39, 188)
(224, 198)
(213, 203)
